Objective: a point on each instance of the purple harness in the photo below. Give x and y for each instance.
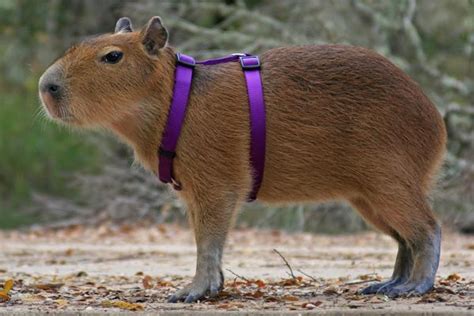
(177, 111)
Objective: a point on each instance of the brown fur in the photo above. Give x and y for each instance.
(342, 123)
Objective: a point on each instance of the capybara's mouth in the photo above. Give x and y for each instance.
(55, 110)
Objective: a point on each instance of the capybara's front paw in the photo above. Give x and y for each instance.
(203, 284)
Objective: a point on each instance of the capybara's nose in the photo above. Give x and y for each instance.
(53, 89)
(51, 82)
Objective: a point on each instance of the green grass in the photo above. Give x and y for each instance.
(36, 156)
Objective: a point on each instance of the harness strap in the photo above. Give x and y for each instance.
(251, 68)
(182, 87)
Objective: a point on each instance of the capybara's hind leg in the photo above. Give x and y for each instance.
(426, 252)
(410, 216)
(403, 263)
(401, 272)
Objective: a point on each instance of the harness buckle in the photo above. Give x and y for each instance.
(166, 153)
(250, 62)
(176, 185)
(185, 60)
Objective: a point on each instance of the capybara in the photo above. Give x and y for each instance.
(342, 123)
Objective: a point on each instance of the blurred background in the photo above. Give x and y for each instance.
(52, 176)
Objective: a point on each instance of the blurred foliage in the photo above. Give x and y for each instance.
(433, 41)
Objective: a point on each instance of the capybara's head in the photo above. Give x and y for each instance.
(105, 78)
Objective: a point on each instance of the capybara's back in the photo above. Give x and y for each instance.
(342, 123)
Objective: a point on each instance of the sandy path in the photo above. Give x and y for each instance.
(81, 269)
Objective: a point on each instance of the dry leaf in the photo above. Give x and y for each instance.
(48, 286)
(260, 283)
(291, 282)
(257, 294)
(61, 302)
(123, 305)
(311, 305)
(454, 277)
(6, 289)
(147, 282)
(331, 290)
(4, 297)
(290, 298)
(32, 298)
(162, 282)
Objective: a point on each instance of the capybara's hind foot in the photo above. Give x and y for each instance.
(407, 289)
(376, 287)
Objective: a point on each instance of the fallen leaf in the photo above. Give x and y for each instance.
(4, 297)
(147, 282)
(332, 290)
(454, 277)
(260, 283)
(257, 294)
(311, 305)
(48, 286)
(432, 298)
(123, 305)
(81, 274)
(162, 282)
(290, 282)
(32, 298)
(6, 289)
(290, 298)
(61, 302)
(442, 289)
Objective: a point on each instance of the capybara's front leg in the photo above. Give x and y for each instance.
(211, 221)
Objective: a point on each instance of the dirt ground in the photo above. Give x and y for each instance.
(134, 268)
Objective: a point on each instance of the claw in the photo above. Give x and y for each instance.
(213, 291)
(173, 299)
(192, 298)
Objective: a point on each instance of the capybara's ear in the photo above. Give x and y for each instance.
(123, 25)
(154, 36)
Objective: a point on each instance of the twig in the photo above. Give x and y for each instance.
(359, 281)
(308, 275)
(287, 264)
(238, 276)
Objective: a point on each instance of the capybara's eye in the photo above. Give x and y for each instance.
(112, 57)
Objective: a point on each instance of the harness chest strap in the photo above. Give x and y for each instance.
(177, 111)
